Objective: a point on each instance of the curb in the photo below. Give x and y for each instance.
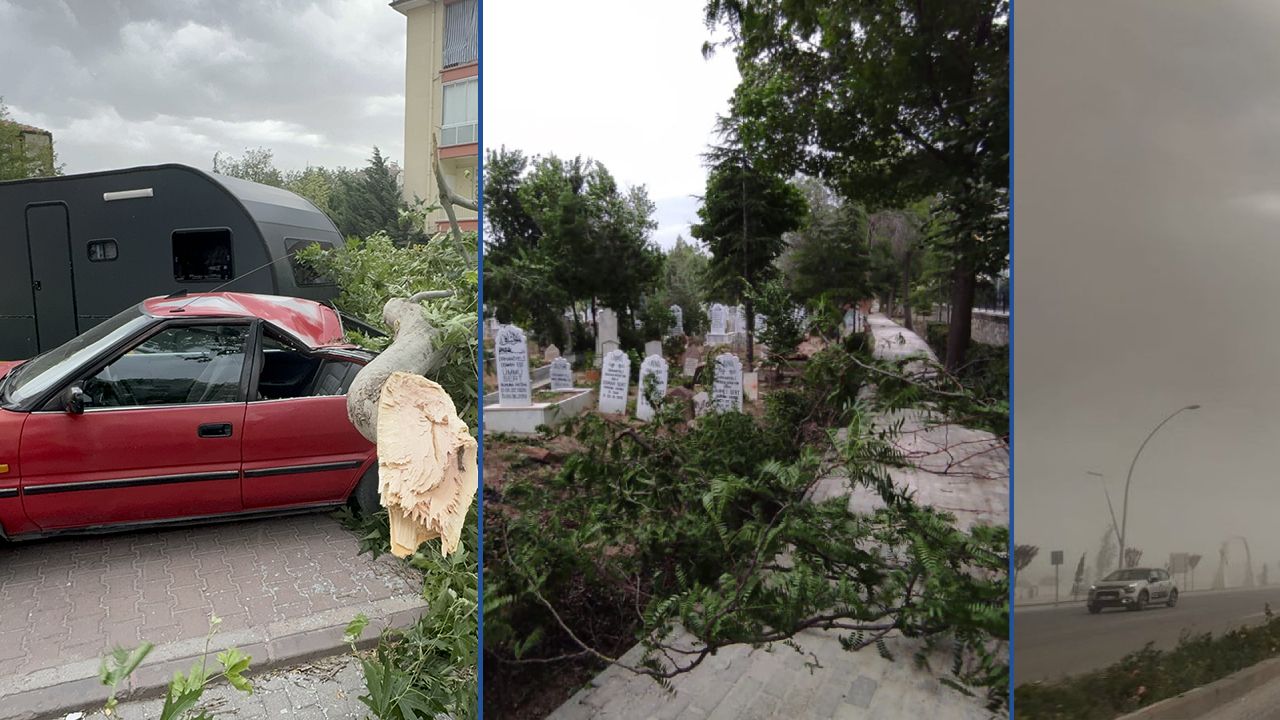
(1203, 700)
(53, 692)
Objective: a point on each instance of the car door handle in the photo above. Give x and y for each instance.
(215, 430)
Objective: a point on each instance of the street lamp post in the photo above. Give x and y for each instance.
(1124, 513)
(1115, 526)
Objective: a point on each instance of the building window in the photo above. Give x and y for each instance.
(202, 255)
(104, 250)
(460, 47)
(304, 274)
(461, 113)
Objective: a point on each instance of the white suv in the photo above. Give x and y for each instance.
(1133, 589)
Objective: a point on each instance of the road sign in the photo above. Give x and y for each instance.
(1178, 563)
(1055, 557)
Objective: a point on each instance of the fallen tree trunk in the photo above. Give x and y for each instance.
(427, 470)
(427, 465)
(413, 350)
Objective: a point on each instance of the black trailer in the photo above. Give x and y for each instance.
(77, 249)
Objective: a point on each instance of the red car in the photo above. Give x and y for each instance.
(184, 408)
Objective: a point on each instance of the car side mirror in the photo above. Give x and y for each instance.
(73, 400)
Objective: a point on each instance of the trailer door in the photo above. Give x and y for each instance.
(52, 286)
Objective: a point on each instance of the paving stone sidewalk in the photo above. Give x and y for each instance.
(283, 587)
(326, 689)
(962, 470)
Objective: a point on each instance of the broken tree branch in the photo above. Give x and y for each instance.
(448, 198)
(413, 349)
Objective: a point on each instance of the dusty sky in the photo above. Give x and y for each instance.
(1146, 268)
(624, 83)
(134, 82)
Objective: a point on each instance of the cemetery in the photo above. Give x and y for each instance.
(617, 383)
(650, 443)
(793, 463)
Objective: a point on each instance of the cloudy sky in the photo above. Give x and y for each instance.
(624, 83)
(1146, 268)
(134, 82)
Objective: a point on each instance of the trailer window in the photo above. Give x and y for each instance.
(103, 250)
(304, 274)
(202, 255)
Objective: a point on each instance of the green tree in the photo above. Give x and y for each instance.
(314, 183)
(742, 220)
(682, 283)
(368, 201)
(783, 330)
(564, 234)
(256, 165)
(20, 160)
(891, 101)
(897, 239)
(828, 255)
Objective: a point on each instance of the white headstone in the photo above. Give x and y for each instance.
(691, 366)
(759, 323)
(726, 388)
(606, 330)
(751, 386)
(677, 321)
(717, 319)
(514, 388)
(561, 374)
(653, 366)
(653, 347)
(607, 347)
(615, 381)
(551, 353)
(850, 321)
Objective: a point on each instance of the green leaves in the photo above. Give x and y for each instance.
(429, 668)
(234, 664)
(709, 526)
(185, 690)
(117, 667)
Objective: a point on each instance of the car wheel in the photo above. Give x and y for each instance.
(1141, 603)
(1173, 598)
(365, 497)
(1094, 609)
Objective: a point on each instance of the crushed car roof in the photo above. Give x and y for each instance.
(315, 324)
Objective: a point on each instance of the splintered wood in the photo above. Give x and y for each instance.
(427, 474)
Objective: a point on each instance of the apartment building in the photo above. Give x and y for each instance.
(442, 98)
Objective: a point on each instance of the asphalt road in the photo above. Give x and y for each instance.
(1053, 642)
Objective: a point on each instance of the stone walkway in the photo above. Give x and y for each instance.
(284, 588)
(965, 471)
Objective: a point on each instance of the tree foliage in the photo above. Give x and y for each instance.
(373, 270)
(743, 217)
(360, 202)
(783, 330)
(563, 233)
(827, 256)
(684, 271)
(20, 160)
(891, 102)
(709, 527)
